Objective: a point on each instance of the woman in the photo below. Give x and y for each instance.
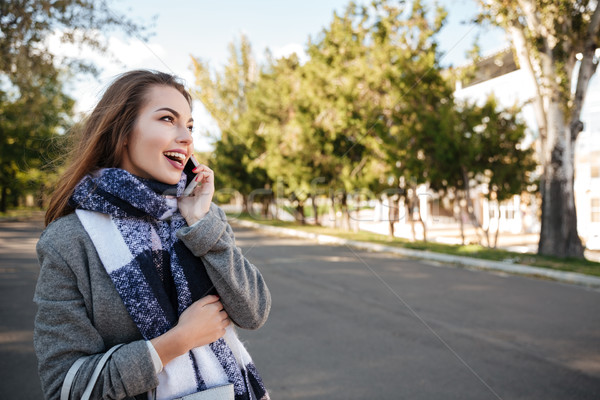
(125, 259)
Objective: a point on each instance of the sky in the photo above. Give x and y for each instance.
(203, 29)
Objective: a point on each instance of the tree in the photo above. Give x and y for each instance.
(491, 153)
(225, 96)
(555, 44)
(479, 146)
(411, 95)
(333, 110)
(26, 25)
(34, 110)
(30, 125)
(280, 137)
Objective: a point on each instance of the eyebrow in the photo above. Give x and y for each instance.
(175, 113)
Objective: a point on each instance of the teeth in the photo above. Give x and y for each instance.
(175, 154)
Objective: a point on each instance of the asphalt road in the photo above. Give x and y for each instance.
(18, 274)
(348, 324)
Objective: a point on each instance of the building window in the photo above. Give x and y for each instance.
(595, 210)
(595, 173)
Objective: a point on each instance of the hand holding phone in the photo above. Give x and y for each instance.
(191, 175)
(196, 200)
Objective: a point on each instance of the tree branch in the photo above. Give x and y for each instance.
(587, 67)
(533, 22)
(524, 57)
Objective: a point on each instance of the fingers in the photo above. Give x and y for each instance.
(201, 167)
(224, 316)
(204, 173)
(211, 298)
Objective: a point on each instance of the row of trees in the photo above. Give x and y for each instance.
(373, 76)
(370, 111)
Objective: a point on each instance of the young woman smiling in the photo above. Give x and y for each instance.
(131, 265)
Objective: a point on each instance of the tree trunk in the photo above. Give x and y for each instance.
(460, 219)
(558, 236)
(245, 204)
(300, 213)
(497, 230)
(356, 224)
(416, 200)
(266, 201)
(40, 200)
(332, 213)
(275, 208)
(411, 217)
(393, 214)
(471, 208)
(315, 209)
(345, 214)
(3, 199)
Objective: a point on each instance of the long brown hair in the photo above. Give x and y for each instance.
(103, 134)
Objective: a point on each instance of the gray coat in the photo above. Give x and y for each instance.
(80, 312)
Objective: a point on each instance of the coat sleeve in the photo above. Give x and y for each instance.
(64, 332)
(240, 285)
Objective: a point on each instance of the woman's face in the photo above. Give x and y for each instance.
(161, 141)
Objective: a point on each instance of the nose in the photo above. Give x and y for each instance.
(184, 136)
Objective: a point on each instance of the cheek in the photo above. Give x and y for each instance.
(149, 145)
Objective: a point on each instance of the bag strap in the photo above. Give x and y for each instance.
(68, 382)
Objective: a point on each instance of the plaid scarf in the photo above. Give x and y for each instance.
(133, 224)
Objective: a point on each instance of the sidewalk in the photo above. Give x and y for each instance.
(467, 262)
(446, 232)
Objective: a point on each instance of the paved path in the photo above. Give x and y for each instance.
(348, 324)
(18, 274)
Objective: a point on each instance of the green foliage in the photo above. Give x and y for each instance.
(370, 111)
(34, 110)
(27, 24)
(29, 127)
(555, 32)
(482, 144)
(225, 95)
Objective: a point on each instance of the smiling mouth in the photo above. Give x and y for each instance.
(175, 156)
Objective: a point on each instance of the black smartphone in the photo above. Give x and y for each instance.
(188, 170)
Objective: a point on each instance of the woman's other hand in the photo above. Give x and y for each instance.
(201, 323)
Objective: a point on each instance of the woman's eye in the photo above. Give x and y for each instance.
(191, 129)
(167, 118)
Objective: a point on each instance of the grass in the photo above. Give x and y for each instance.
(562, 264)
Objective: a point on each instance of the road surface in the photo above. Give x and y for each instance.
(348, 324)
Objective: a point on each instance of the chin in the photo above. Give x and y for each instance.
(173, 181)
(169, 180)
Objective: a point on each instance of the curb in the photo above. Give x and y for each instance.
(476, 263)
